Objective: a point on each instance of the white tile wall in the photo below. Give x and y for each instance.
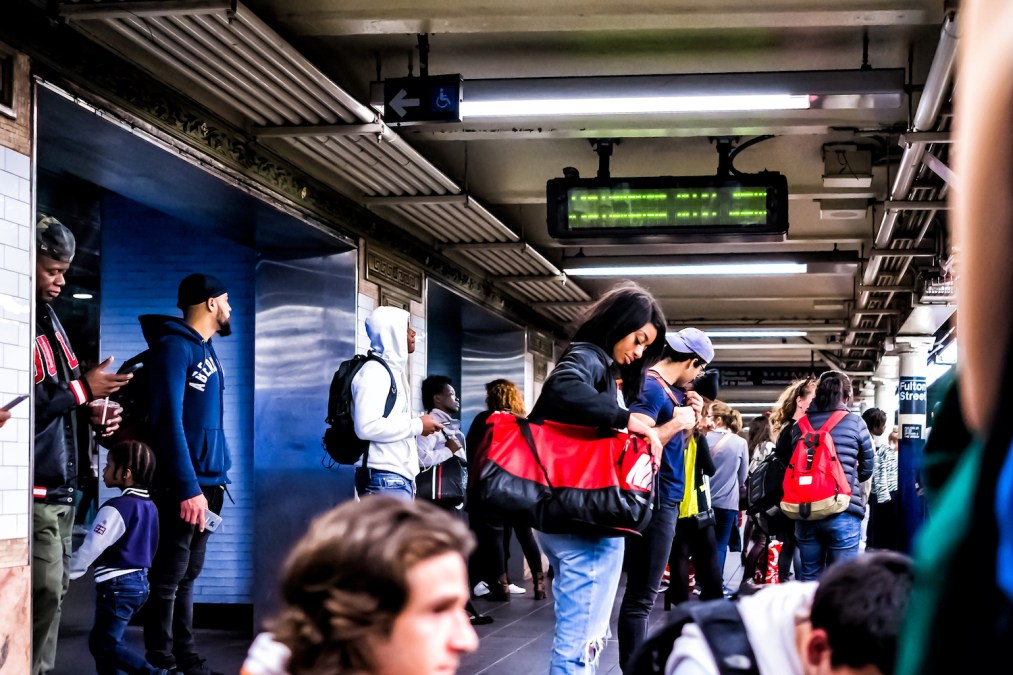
(15, 339)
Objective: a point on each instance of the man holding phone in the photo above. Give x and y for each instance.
(186, 385)
(63, 435)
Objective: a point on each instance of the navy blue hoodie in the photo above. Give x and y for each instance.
(187, 392)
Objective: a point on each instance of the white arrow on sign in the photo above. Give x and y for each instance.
(399, 103)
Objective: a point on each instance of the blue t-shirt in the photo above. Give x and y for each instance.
(657, 404)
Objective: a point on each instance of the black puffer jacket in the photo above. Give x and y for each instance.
(854, 448)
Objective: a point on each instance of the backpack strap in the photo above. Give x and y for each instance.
(834, 420)
(664, 385)
(722, 627)
(391, 397)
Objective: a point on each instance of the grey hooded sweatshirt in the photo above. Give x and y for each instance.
(392, 438)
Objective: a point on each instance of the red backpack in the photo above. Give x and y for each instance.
(815, 485)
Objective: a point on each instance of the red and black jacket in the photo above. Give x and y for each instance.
(62, 431)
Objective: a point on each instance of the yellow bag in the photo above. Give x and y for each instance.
(688, 506)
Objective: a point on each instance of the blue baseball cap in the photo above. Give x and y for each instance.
(691, 341)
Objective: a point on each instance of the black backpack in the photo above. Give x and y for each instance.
(765, 487)
(721, 624)
(135, 397)
(340, 441)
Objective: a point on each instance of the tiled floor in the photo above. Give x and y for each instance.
(517, 642)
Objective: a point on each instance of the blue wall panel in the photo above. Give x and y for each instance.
(144, 255)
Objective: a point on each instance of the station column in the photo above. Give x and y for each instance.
(912, 414)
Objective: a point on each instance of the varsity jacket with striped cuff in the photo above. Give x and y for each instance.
(62, 432)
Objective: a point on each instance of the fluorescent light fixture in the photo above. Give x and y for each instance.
(721, 269)
(680, 93)
(759, 333)
(828, 306)
(632, 105)
(753, 404)
(82, 296)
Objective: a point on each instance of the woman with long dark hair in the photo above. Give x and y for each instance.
(598, 375)
(834, 538)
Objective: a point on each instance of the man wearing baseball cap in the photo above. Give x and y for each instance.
(192, 461)
(665, 405)
(63, 436)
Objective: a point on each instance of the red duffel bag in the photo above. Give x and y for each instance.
(563, 478)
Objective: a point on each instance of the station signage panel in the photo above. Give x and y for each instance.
(422, 100)
(668, 207)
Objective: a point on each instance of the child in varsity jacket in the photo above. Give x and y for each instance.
(121, 543)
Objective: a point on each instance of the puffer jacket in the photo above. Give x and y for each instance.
(854, 448)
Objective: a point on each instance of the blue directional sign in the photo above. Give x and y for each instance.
(418, 100)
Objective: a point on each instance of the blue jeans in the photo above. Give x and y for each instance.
(645, 560)
(116, 602)
(824, 542)
(373, 482)
(587, 571)
(724, 521)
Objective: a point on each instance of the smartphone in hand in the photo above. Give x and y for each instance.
(14, 401)
(212, 521)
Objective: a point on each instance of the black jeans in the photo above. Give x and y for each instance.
(698, 542)
(646, 557)
(488, 562)
(168, 614)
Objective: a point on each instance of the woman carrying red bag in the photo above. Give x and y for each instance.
(620, 338)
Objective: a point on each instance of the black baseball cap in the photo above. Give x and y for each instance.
(197, 288)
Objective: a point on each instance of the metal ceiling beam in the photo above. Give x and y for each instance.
(121, 10)
(912, 137)
(804, 346)
(918, 206)
(863, 288)
(318, 130)
(415, 200)
(902, 253)
(940, 169)
(532, 278)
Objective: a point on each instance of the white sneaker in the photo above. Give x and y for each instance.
(481, 588)
(517, 590)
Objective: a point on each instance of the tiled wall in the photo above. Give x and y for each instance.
(15, 338)
(16, 298)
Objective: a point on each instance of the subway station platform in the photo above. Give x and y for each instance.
(518, 641)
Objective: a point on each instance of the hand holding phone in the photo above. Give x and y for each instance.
(211, 520)
(14, 401)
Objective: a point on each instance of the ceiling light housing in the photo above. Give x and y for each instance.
(715, 269)
(674, 94)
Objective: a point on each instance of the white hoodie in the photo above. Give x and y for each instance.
(392, 438)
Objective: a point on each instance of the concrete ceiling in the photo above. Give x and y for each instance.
(504, 164)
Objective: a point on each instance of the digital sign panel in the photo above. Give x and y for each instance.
(669, 208)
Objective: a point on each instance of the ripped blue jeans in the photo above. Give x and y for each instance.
(587, 571)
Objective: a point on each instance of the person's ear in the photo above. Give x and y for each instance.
(816, 652)
(210, 304)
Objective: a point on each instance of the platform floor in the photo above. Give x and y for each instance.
(518, 641)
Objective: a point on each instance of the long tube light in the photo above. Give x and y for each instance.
(758, 333)
(681, 93)
(633, 105)
(720, 269)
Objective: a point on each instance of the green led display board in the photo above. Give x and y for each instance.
(668, 208)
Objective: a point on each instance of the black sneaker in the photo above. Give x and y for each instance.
(198, 667)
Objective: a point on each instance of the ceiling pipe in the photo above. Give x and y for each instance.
(929, 105)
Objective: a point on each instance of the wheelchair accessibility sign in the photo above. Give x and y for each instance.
(422, 100)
